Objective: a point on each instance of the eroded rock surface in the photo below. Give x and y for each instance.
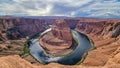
(104, 32)
(61, 30)
(16, 61)
(58, 39)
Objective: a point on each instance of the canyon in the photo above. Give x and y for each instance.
(58, 39)
(16, 28)
(105, 33)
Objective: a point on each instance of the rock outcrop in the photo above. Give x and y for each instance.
(14, 62)
(61, 30)
(17, 62)
(58, 39)
(2, 36)
(107, 29)
(105, 34)
(17, 28)
(114, 61)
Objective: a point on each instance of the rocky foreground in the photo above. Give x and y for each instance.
(16, 61)
(105, 34)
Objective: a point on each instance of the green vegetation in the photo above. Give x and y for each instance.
(26, 50)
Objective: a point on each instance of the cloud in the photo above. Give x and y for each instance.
(101, 8)
(85, 8)
(40, 11)
(40, 7)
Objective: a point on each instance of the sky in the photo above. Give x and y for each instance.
(71, 8)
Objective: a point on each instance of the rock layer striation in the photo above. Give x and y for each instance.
(58, 39)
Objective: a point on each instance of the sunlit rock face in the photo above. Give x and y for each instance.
(61, 30)
(60, 44)
(58, 39)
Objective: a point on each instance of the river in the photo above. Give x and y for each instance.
(75, 57)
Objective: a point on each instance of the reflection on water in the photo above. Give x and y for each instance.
(75, 57)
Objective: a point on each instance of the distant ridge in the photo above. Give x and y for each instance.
(57, 17)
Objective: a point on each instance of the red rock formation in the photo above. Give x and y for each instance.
(102, 28)
(58, 39)
(104, 32)
(61, 30)
(17, 62)
(2, 35)
(29, 27)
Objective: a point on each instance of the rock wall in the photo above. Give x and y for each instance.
(104, 32)
(16, 28)
(61, 30)
(108, 29)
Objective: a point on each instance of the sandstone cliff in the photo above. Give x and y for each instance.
(59, 39)
(105, 34)
(17, 62)
(16, 28)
